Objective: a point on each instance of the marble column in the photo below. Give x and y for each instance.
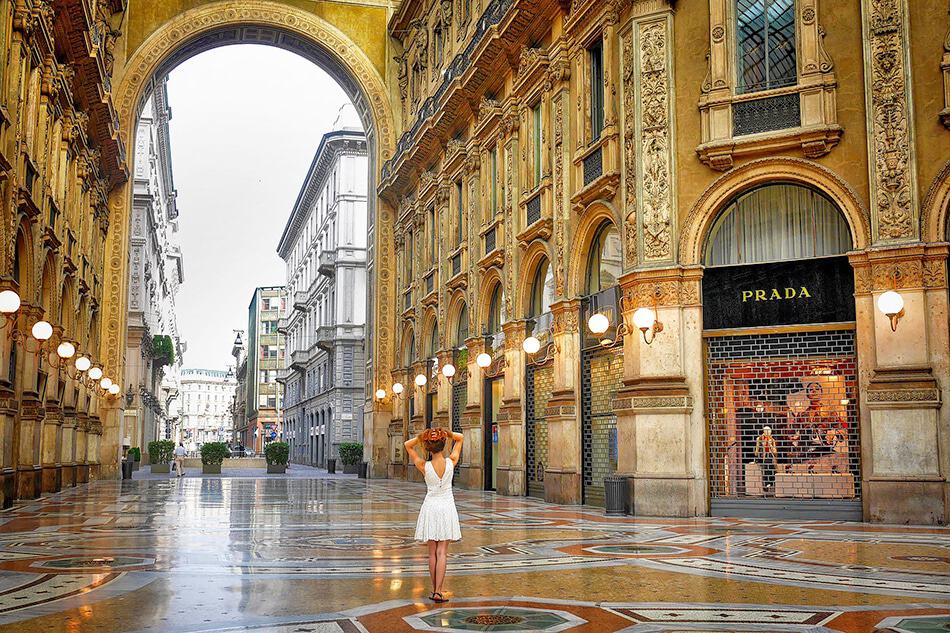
(473, 455)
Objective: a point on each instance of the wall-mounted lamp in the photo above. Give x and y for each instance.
(483, 360)
(83, 363)
(9, 302)
(95, 373)
(598, 323)
(891, 303)
(129, 396)
(421, 380)
(397, 388)
(645, 320)
(380, 394)
(531, 345)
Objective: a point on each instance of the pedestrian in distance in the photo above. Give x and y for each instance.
(180, 453)
(438, 521)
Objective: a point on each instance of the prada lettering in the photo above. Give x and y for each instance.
(776, 294)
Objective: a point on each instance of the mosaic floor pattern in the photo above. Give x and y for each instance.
(336, 554)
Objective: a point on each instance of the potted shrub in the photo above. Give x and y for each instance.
(135, 456)
(212, 454)
(351, 454)
(160, 454)
(277, 454)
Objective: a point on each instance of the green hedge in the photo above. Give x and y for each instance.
(213, 453)
(351, 453)
(161, 451)
(135, 454)
(277, 453)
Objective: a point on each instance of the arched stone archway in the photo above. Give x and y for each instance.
(594, 217)
(936, 208)
(189, 33)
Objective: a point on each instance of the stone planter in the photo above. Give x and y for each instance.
(211, 469)
(161, 469)
(276, 469)
(351, 469)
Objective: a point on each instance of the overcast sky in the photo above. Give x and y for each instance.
(246, 121)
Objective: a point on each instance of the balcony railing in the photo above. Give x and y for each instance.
(593, 166)
(490, 238)
(533, 210)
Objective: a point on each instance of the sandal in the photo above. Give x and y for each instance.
(440, 599)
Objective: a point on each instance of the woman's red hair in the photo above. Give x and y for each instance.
(433, 440)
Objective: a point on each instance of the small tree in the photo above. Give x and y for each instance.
(277, 453)
(351, 453)
(163, 350)
(161, 451)
(213, 453)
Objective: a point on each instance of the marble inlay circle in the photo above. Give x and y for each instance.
(495, 618)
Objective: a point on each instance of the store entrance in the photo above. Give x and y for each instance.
(493, 394)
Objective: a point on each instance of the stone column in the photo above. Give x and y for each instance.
(511, 440)
(28, 469)
(69, 435)
(562, 477)
(52, 426)
(661, 436)
(82, 429)
(93, 444)
(905, 429)
(398, 429)
(418, 421)
(473, 455)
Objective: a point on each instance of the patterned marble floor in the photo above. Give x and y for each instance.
(336, 555)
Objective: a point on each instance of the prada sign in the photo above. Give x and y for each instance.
(784, 293)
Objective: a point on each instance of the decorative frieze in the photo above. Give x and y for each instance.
(915, 267)
(945, 70)
(894, 211)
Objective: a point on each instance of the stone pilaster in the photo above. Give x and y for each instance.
(81, 447)
(32, 412)
(473, 428)
(562, 477)
(417, 422)
(52, 426)
(443, 402)
(397, 431)
(511, 439)
(660, 435)
(905, 429)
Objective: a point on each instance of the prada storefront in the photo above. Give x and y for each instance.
(780, 358)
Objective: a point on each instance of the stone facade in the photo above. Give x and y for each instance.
(324, 245)
(205, 411)
(262, 394)
(155, 275)
(531, 128)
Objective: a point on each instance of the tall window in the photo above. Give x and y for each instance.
(494, 311)
(536, 143)
(461, 329)
(595, 55)
(765, 44)
(433, 341)
(604, 264)
(542, 289)
(432, 233)
(494, 180)
(459, 213)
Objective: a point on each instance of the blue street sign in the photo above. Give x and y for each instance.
(273, 434)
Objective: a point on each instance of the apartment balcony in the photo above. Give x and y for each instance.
(298, 360)
(327, 263)
(326, 334)
(300, 301)
(284, 375)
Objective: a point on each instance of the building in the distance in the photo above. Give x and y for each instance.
(154, 347)
(265, 354)
(205, 406)
(324, 246)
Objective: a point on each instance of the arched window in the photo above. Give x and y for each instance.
(542, 289)
(776, 223)
(494, 311)
(408, 352)
(461, 328)
(433, 341)
(604, 264)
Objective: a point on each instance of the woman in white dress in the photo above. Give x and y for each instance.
(438, 519)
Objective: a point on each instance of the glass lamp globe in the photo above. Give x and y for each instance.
(397, 388)
(644, 318)
(890, 303)
(380, 394)
(598, 323)
(114, 389)
(421, 379)
(448, 370)
(9, 302)
(95, 373)
(531, 345)
(105, 383)
(83, 363)
(65, 350)
(42, 331)
(483, 360)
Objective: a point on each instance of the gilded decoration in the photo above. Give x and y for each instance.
(138, 74)
(631, 237)
(945, 71)
(655, 177)
(556, 76)
(893, 190)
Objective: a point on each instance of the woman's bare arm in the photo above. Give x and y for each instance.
(457, 439)
(414, 454)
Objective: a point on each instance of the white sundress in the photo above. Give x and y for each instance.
(438, 518)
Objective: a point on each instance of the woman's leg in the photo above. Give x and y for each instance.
(433, 546)
(441, 554)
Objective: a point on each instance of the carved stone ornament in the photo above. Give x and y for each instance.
(631, 235)
(893, 191)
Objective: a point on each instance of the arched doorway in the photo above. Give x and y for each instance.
(275, 24)
(781, 357)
